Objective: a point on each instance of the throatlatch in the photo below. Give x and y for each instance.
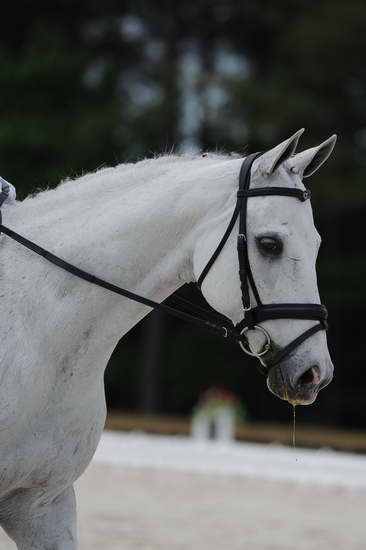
(221, 325)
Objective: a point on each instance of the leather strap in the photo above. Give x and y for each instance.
(220, 246)
(267, 312)
(244, 181)
(300, 194)
(284, 352)
(245, 272)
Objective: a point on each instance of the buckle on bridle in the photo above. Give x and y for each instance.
(266, 347)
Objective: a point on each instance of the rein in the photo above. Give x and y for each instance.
(222, 325)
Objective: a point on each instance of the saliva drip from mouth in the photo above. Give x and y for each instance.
(294, 427)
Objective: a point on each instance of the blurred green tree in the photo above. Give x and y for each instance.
(84, 83)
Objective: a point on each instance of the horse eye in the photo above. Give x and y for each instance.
(271, 246)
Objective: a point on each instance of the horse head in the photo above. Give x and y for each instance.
(283, 319)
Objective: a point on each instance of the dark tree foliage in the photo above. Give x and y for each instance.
(86, 83)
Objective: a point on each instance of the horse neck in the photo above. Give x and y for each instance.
(135, 226)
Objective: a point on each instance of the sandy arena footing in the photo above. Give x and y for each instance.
(153, 493)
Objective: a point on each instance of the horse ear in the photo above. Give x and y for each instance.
(271, 160)
(307, 162)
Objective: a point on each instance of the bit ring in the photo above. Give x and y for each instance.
(267, 345)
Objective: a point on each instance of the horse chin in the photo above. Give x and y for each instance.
(280, 386)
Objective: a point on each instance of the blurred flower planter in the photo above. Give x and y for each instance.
(216, 415)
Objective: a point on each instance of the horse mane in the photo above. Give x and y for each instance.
(101, 186)
(125, 173)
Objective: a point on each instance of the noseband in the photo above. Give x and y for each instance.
(253, 316)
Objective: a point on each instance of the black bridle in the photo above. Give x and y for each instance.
(221, 325)
(263, 312)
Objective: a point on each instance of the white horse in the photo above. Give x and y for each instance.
(149, 227)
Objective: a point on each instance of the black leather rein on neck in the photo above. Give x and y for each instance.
(224, 329)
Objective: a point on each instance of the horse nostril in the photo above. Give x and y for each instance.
(297, 384)
(310, 376)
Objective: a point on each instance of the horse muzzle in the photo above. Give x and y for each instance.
(297, 383)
